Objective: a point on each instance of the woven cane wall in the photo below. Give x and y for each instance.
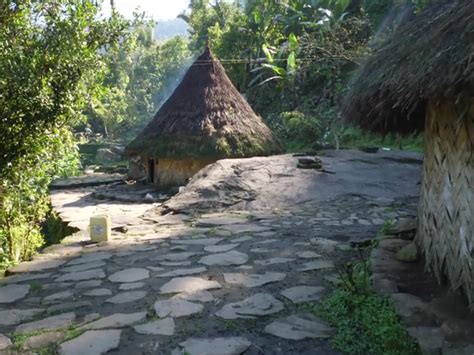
(446, 209)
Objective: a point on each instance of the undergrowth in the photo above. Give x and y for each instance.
(366, 322)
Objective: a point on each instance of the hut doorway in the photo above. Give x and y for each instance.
(151, 171)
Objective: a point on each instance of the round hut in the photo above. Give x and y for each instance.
(423, 79)
(205, 119)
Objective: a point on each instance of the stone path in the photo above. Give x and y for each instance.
(215, 283)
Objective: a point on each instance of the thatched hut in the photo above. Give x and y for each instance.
(205, 119)
(423, 78)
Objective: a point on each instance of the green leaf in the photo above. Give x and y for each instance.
(276, 69)
(293, 42)
(268, 54)
(291, 62)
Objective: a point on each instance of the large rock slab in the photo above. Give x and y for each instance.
(42, 340)
(188, 284)
(260, 304)
(184, 272)
(51, 323)
(302, 294)
(253, 280)
(16, 316)
(116, 320)
(160, 327)
(12, 293)
(98, 292)
(82, 275)
(298, 328)
(130, 275)
(216, 346)
(176, 308)
(126, 297)
(92, 342)
(232, 257)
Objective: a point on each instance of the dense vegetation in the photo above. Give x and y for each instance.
(63, 69)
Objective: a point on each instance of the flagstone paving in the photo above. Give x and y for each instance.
(207, 283)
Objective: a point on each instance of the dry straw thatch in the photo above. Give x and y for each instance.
(206, 118)
(429, 57)
(423, 78)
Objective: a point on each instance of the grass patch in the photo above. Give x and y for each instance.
(366, 324)
(72, 332)
(36, 286)
(386, 227)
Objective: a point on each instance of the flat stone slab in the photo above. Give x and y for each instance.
(220, 248)
(59, 296)
(160, 327)
(90, 257)
(253, 280)
(184, 272)
(244, 238)
(198, 241)
(245, 228)
(302, 294)
(36, 266)
(125, 297)
(216, 346)
(198, 296)
(51, 323)
(175, 256)
(24, 277)
(83, 267)
(223, 220)
(92, 342)
(307, 254)
(131, 286)
(325, 245)
(98, 292)
(272, 261)
(174, 263)
(12, 293)
(16, 316)
(232, 257)
(298, 328)
(317, 265)
(5, 342)
(176, 308)
(130, 275)
(88, 284)
(260, 304)
(188, 284)
(116, 320)
(82, 275)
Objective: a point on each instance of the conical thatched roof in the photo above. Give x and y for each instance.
(428, 58)
(205, 118)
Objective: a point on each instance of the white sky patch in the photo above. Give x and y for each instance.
(157, 9)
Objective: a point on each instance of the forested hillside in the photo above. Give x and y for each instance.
(65, 71)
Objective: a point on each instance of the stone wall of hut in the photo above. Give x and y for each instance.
(446, 210)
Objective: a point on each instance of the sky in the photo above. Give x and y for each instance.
(157, 9)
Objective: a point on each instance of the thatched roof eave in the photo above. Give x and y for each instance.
(428, 58)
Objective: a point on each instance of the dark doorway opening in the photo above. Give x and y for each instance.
(151, 171)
